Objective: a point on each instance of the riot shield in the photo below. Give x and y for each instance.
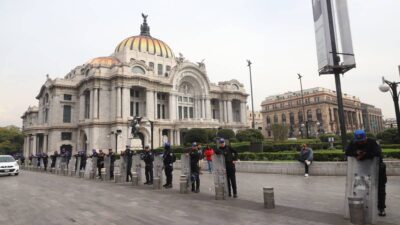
(157, 171)
(185, 169)
(107, 164)
(88, 169)
(137, 166)
(220, 180)
(362, 181)
(71, 166)
(123, 168)
(78, 165)
(94, 167)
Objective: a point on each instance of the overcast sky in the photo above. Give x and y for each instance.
(52, 37)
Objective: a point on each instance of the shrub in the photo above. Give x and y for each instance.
(325, 137)
(389, 136)
(226, 134)
(196, 135)
(280, 132)
(249, 135)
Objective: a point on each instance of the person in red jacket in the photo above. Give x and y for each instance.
(208, 154)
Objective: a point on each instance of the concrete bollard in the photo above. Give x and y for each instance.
(356, 208)
(135, 179)
(220, 192)
(269, 201)
(183, 185)
(156, 183)
(81, 174)
(117, 178)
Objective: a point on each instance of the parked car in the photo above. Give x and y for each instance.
(8, 165)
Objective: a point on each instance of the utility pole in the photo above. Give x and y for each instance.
(302, 104)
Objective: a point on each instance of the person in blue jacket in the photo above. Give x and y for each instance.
(306, 157)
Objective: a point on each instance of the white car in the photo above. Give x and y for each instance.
(8, 165)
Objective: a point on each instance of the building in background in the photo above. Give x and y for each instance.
(258, 119)
(320, 110)
(372, 118)
(390, 123)
(91, 107)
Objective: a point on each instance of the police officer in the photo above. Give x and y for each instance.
(111, 154)
(195, 156)
(231, 157)
(54, 159)
(45, 158)
(100, 162)
(362, 147)
(128, 159)
(148, 158)
(168, 160)
(83, 156)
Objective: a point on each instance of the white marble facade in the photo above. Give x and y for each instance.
(83, 110)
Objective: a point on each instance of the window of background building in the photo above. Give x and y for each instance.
(275, 119)
(180, 112)
(151, 65)
(66, 136)
(191, 112)
(138, 70)
(67, 97)
(67, 114)
(300, 117)
(283, 119)
(160, 69)
(291, 118)
(319, 115)
(309, 115)
(87, 105)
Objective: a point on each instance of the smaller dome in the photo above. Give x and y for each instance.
(104, 61)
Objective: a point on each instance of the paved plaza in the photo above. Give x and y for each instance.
(36, 199)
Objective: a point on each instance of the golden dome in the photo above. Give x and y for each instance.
(104, 61)
(145, 43)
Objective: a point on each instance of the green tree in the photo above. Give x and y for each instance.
(226, 134)
(389, 136)
(196, 135)
(280, 132)
(249, 135)
(11, 140)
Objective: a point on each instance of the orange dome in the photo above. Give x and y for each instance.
(104, 61)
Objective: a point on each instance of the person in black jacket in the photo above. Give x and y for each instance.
(111, 154)
(195, 156)
(54, 159)
(83, 156)
(231, 157)
(148, 158)
(168, 160)
(128, 160)
(100, 162)
(45, 160)
(362, 147)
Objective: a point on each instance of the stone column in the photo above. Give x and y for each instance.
(178, 137)
(95, 103)
(82, 107)
(243, 112)
(221, 110)
(155, 106)
(150, 104)
(229, 109)
(203, 106)
(208, 109)
(172, 107)
(118, 102)
(34, 144)
(125, 103)
(45, 143)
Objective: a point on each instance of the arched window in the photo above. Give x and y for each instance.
(268, 120)
(151, 65)
(275, 119)
(300, 117)
(319, 115)
(160, 69)
(138, 70)
(309, 115)
(291, 118)
(283, 119)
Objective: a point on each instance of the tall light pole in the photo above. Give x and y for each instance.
(392, 86)
(253, 125)
(302, 104)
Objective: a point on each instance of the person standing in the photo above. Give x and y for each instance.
(54, 159)
(111, 154)
(83, 156)
(128, 153)
(306, 157)
(100, 162)
(231, 156)
(195, 157)
(208, 153)
(363, 147)
(168, 160)
(148, 158)
(45, 158)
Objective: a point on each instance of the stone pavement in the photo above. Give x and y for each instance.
(45, 199)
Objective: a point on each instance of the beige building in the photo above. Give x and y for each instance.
(258, 119)
(390, 123)
(91, 107)
(320, 110)
(372, 118)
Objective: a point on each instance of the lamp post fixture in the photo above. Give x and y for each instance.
(302, 104)
(116, 133)
(392, 86)
(253, 124)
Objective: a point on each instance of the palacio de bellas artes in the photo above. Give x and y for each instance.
(199, 113)
(142, 78)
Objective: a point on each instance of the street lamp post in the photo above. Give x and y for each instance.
(116, 133)
(253, 125)
(392, 86)
(302, 104)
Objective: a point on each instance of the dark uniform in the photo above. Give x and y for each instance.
(83, 156)
(230, 155)
(45, 160)
(112, 161)
(54, 159)
(195, 157)
(100, 162)
(128, 159)
(148, 158)
(38, 156)
(369, 150)
(168, 160)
